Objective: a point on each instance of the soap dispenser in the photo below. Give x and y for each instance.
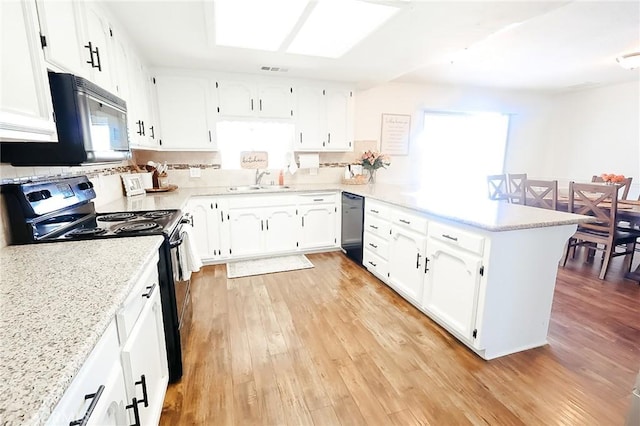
(281, 178)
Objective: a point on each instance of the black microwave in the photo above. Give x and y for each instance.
(91, 124)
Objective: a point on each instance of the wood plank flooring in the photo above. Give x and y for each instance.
(333, 345)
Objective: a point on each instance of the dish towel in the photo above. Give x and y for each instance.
(188, 257)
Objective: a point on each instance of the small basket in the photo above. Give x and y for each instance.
(356, 180)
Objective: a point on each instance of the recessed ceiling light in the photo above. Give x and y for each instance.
(629, 61)
(334, 27)
(255, 24)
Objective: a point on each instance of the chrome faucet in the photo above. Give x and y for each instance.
(259, 175)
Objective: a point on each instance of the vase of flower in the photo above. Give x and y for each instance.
(372, 161)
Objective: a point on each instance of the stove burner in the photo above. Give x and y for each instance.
(86, 232)
(157, 214)
(133, 227)
(116, 217)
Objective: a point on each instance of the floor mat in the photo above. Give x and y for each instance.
(267, 266)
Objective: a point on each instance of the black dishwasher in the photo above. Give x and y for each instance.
(352, 224)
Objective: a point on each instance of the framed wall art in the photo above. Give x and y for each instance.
(394, 137)
(133, 184)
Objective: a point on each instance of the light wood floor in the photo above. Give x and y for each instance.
(333, 345)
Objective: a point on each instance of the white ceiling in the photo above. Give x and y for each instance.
(553, 46)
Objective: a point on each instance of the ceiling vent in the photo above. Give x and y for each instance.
(275, 69)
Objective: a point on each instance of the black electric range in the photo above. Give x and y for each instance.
(62, 209)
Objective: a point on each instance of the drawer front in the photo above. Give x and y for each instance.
(93, 374)
(409, 220)
(375, 264)
(377, 226)
(324, 197)
(376, 209)
(376, 245)
(132, 306)
(457, 237)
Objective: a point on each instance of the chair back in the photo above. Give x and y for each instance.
(516, 187)
(497, 187)
(540, 193)
(625, 185)
(593, 199)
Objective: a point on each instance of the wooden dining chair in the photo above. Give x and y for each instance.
(540, 193)
(625, 186)
(497, 187)
(516, 189)
(600, 201)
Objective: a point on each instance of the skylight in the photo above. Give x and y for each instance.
(334, 27)
(255, 24)
(330, 29)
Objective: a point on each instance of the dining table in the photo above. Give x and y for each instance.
(628, 211)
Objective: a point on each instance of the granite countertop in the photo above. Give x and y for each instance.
(56, 301)
(477, 212)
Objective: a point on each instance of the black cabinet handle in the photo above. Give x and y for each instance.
(150, 292)
(210, 140)
(300, 137)
(153, 133)
(251, 104)
(143, 382)
(449, 237)
(142, 127)
(221, 216)
(406, 222)
(98, 59)
(371, 263)
(426, 264)
(94, 397)
(303, 221)
(262, 225)
(260, 104)
(267, 224)
(418, 261)
(374, 211)
(373, 226)
(329, 137)
(90, 47)
(373, 245)
(136, 412)
(139, 123)
(318, 199)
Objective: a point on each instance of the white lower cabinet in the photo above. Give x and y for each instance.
(210, 227)
(97, 392)
(451, 287)
(407, 262)
(144, 361)
(255, 231)
(319, 223)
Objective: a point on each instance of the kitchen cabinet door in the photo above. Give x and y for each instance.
(318, 226)
(121, 53)
(98, 32)
(60, 25)
(144, 361)
(275, 100)
(310, 115)
(209, 221)
(280, 223)
(406, 262)
(339, 119)
(246, 232)
(26, 111)
(184, 109)
(110, 409)
(254, 98)
(451, 286)
(236, 98)
(139, 111)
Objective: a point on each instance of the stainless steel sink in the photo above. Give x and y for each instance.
(251, 188)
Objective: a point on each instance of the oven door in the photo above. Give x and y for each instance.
(182, 285)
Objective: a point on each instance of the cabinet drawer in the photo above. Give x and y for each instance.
(375, 264)
(93, 374)
(128, 314)
(376, 209)
(377, 226)
(325, 197)
(457, 237)
(376, 245)
(409, 219)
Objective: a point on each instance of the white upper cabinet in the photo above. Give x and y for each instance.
(26, 111)
(257, 98)
(185, 110)
(324, 118)
(77, 39)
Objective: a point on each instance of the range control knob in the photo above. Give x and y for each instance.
(38, 195)
(83, 186)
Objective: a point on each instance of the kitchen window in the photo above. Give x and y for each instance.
(235, 137)
(459, 150)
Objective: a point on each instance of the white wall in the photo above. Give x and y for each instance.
(596, 131)
(528, 124)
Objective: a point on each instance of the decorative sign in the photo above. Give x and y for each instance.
(394, 139)
(254, 159)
